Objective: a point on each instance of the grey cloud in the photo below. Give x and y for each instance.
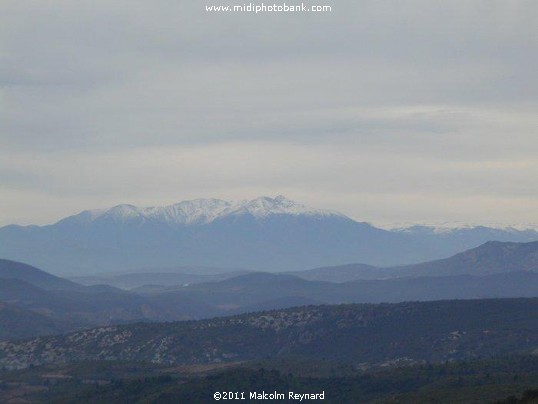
(410, 93)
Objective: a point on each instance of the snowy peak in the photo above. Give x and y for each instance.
(197, 211)
(125, 212)
(280, 205)
(200, 211)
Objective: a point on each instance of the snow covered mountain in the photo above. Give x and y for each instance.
(199, 211)
(271, 234)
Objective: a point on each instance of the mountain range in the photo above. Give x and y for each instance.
(269, 234)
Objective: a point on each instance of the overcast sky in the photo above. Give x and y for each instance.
(388, 111)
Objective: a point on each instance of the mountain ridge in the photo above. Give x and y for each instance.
(199, 211)
(264, 234)
(492, 257)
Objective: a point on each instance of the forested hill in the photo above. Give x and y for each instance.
(365, 333)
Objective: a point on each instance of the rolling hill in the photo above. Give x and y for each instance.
(373, 334)
(27, 291)
(494, 270)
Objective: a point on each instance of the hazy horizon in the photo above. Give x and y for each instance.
(383, 225)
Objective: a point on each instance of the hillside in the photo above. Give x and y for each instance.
(34, 276)
(493, 257)
(489, 258)
(16, 323)
(373, 334)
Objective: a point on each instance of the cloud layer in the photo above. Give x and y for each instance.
(389, 111)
